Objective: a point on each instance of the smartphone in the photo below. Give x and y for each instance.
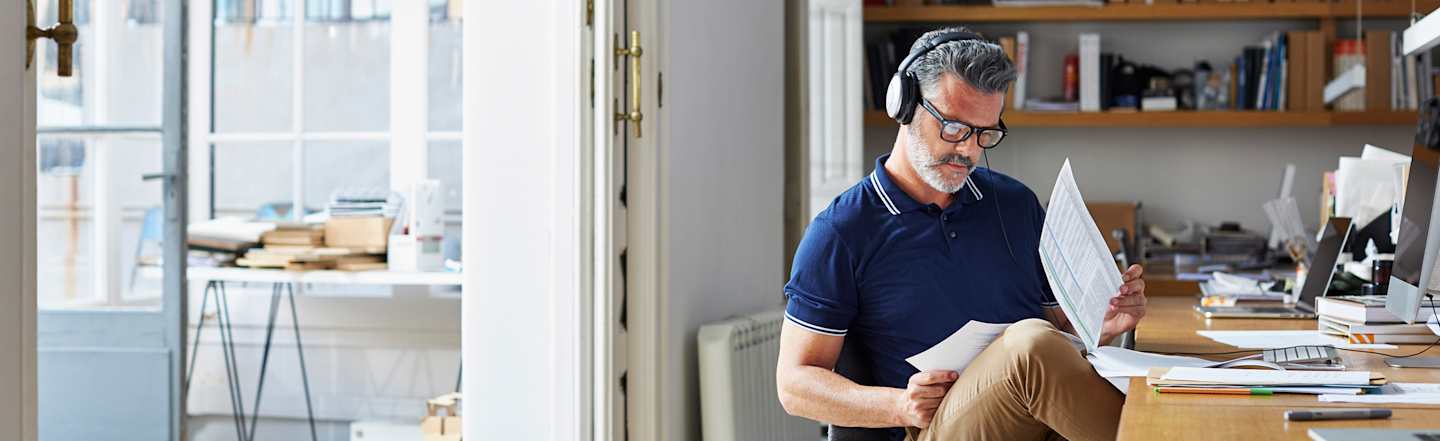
(1421, 362)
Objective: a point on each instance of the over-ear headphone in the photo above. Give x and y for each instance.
(903, 93)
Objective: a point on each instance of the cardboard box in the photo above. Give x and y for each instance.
(369, 232)
(1112, 215)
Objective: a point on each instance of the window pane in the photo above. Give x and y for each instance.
(122, 87)
(347, 76)
(249, 176)
(64, 196)
(445, 90)
(335, 165)
(252, 77)
(72, 223)
(445, 166)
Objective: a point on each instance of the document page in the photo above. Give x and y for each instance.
(959, 349)
(1255, 377)
(1077, 262)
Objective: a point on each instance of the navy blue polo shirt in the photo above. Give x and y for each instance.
(895, 277)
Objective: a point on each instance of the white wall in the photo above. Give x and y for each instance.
(722, 173)
(521, 320)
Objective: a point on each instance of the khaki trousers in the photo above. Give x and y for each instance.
(1030, 384)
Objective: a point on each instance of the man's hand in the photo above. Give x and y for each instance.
(1127, 307)
(916, 405)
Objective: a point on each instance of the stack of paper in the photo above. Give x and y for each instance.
(1417, 393)
(1310, 382)
(1283, 339)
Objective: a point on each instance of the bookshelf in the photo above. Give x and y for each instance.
(1220, 118)
(1328, 13)
(1253, 10)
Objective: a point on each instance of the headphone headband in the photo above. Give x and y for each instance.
(903, 93)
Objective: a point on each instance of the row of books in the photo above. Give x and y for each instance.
(1363, 319)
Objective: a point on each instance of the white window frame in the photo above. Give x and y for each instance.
(409, 106)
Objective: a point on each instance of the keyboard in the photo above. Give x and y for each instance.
(1311, 354)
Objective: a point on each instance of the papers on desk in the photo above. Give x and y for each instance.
(1258, 377)
(1283, 339)
(959, 349)
(1110, 361)
(1411, 393)
(1078, 264)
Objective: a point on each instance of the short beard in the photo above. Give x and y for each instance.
(928, 167)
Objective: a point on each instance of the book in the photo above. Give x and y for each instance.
(1089, 72)
(1107, 66)
(1377, 70)
(1295, 64)
(1359, 310)
(1315, 76)
(1007, 44)
(1022, 68)
(1262, 95)
(1377, 333)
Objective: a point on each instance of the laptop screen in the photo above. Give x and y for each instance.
(1322, 264)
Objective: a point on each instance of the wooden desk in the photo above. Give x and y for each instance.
(1170, 327)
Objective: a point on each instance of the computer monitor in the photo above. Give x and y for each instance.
(1322, 263)
(1416, 245)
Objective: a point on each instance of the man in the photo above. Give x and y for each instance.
(925, 244)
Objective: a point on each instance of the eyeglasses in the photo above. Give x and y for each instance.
(957, 132)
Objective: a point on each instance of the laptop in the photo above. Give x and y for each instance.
(1322, 270)
(1374, 435)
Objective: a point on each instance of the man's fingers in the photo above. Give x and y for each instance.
(1133, 287)
(932, 391)
(934, 377)
(1133, 272)
(1128, 300)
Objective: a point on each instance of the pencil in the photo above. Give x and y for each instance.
(1215, 390)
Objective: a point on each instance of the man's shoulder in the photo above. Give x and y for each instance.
(854, 209)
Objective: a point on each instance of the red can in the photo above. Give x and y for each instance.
(1072, 77)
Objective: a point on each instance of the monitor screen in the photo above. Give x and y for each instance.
(1415, 215)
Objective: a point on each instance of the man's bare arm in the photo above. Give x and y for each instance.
(809, 387)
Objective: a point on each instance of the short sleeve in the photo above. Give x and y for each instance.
(821, 292)
(1047, 298)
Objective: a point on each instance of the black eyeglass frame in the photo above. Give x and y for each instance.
(924, 102)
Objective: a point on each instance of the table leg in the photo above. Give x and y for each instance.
(227, 346)
(195, 347)
(265, 357)
(300, 350)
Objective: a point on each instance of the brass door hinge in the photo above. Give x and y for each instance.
(633, 52)
(589, 12)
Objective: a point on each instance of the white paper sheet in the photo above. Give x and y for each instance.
(959, 349)
(1364, 188)
(1282, 339)
(1078, 264)
(1256, 377)
(1110, 361)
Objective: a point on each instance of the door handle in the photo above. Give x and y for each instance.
(64, 33)
(634, 116)
(153, 176)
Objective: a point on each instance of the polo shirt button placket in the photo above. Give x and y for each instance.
(952, 234)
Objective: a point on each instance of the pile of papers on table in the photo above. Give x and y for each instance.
(1286, 381)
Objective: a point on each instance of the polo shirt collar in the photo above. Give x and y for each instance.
(896, 201)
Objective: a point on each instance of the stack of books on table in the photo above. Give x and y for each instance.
(302, 247)
(1363, 319)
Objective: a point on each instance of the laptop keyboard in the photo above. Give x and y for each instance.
(1302, 354)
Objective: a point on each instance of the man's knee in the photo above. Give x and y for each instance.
(1035, 339)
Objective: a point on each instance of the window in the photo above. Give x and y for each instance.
(98, 224)
(301, 108)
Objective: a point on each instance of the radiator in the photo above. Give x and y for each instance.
(738, 401)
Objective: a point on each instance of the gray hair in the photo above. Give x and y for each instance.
(982, 64)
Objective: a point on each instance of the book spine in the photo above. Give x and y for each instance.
(1377, 69)
(1022, 68)
(1089, 72)
(1295, 63)
(1315, 76)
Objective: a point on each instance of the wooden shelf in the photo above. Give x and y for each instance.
(1189, 119)
(1253, 10)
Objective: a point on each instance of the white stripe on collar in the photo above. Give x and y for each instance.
(974, 189)
(884, 198)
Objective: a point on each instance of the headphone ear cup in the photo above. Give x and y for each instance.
(908, 95)
(894, 97)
